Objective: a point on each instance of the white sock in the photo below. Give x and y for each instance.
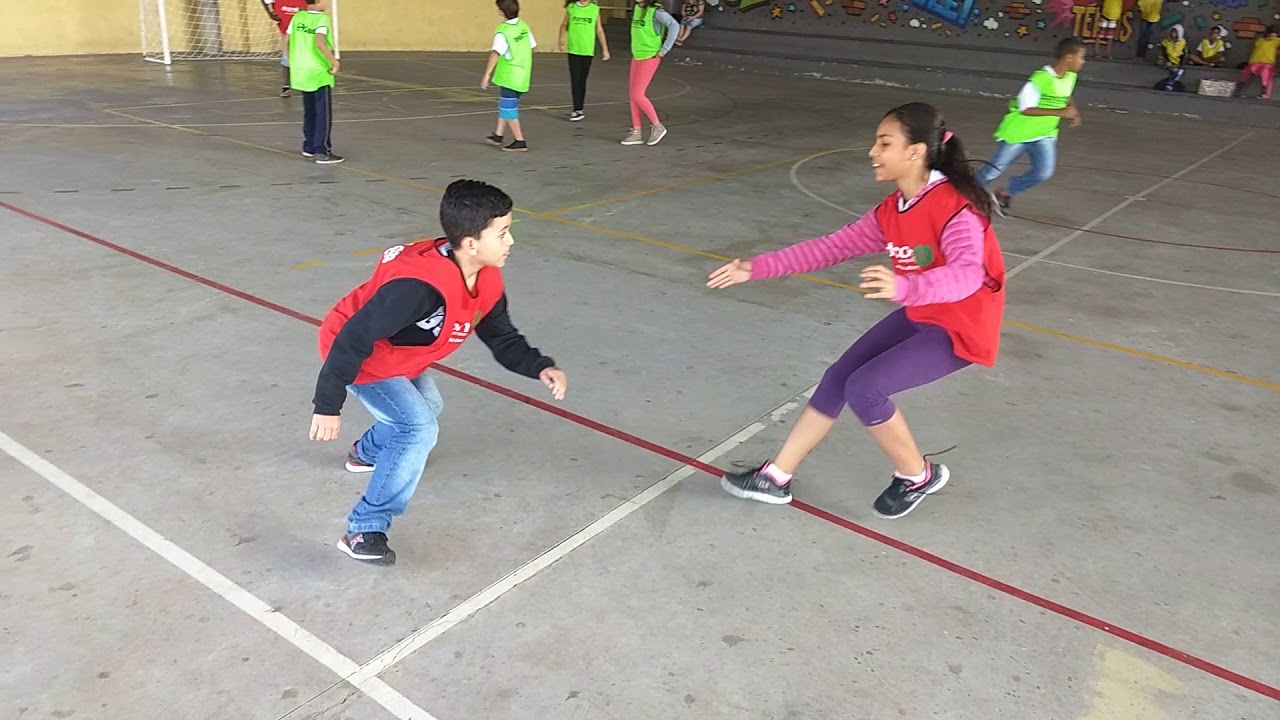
(914, 478)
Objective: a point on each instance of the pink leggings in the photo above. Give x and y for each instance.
(1266, 73)
(642, 72)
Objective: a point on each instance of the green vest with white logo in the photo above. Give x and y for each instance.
(1055, 94)
(514, 74)
(645, 41)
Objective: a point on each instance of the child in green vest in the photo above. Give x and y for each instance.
(1031, 123)
(653, 32)
(510, 67)
(579, 31)
(312, 66)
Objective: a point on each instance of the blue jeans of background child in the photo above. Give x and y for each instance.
(1043, 154)
(398, 444)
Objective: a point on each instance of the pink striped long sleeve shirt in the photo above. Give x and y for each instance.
(960, 277)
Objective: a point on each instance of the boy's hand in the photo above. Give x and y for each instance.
(333, 70)
(484, 83)
(882, 282)
(325, 427)
(555, 379)
(605, 56)
(1071, 113)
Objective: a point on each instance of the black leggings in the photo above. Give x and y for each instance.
(579, 68)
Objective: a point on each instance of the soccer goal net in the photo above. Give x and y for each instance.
(213, 30)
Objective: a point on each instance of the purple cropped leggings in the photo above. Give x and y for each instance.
(894, 355)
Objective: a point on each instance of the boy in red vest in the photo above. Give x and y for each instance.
(282, 12)
(423, 300)
(948, 274)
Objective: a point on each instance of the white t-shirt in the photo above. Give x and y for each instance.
(500, 41)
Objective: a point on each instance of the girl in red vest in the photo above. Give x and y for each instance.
(948, 274)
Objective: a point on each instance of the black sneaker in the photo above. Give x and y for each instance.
(902, 496)
(370, 547)
(577, 115)
(755, 485)
(329, 159)
(516, 146)
(355, 464)
(495, 140)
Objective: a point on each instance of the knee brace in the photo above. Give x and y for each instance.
(509, 108)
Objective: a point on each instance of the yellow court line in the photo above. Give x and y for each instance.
(684, 183)
(1133, 352)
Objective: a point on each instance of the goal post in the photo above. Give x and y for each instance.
(213, 30)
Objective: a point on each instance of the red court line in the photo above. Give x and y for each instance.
(1031, 598)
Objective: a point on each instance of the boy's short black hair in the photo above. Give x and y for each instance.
(468, 206)
(510, 8)
(1068, 46)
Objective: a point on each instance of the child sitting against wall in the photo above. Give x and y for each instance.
(1173, 49)
(1212, 51)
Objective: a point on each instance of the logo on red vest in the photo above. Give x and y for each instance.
(909, 259)
(461, 331)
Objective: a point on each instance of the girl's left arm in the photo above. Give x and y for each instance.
(673, 29)
(963, 273)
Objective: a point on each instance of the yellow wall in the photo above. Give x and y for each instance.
(32, 27)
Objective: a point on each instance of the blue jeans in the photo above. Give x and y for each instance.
(1043, 154)
(398, 444)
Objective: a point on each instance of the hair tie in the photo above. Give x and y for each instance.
(946, 136)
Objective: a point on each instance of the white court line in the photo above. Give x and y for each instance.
(1120, 206)
(341, 665)
(470, 606)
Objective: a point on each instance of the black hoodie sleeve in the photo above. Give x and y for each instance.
(508, 346)
(397, 305)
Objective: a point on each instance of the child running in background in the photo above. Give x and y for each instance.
(1262, 62)
(511, 67)
(282, 12)
(1212, 51)
(648, 47)
(1031, 123)
(423, 300)
(947, 271)
(579, 31)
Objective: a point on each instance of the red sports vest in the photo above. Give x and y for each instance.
(424, 260)
(913, 241)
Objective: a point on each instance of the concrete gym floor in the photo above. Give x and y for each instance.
(1105, 549)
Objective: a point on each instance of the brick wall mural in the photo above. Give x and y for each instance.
(1010, 23)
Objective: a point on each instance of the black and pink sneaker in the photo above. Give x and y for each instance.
(903, 495)
(370, 547)
(355, 464)
(756, 485)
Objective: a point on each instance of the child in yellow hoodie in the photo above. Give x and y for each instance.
(1262, 62)
(1173, 50)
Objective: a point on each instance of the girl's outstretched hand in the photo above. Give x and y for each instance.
(738, 271)
(882, 282)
